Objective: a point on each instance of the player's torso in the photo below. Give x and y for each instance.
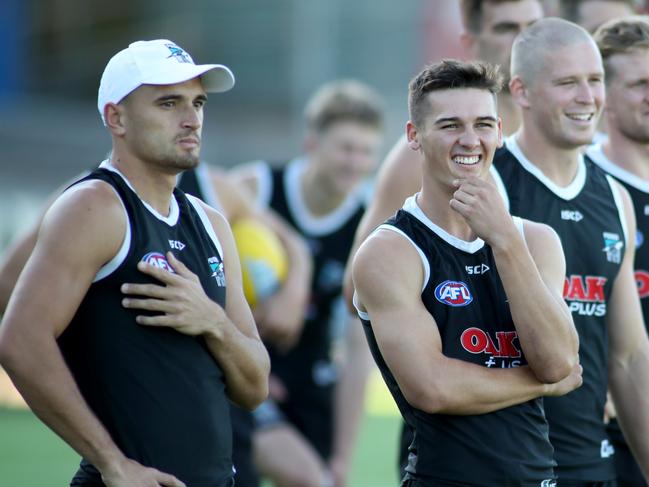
(587, 217)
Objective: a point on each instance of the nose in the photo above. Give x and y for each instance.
(192, 118)
(469, 138)
(585, 93)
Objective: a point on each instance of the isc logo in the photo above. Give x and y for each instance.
(453, 293)
(158, 260)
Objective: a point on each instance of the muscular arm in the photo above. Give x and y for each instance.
(532, 270)
(398, 178)
(350, 398)
(629, 352)
(238, 348)
(82, 230)
(410, 343)
(12, 264)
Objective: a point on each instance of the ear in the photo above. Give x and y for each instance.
(114, 117)
(500, 132)
(519, 91)
(412, 136)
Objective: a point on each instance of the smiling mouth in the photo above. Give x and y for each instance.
(466, 160)
(580, 117)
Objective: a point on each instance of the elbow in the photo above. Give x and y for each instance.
(253, 396)
(430, 400)
(556, 369)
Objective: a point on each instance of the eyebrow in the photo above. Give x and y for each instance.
(457, 119)
(179, 97)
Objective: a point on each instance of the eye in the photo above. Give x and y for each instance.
(199, 103)
(450, 126)
(168, 104)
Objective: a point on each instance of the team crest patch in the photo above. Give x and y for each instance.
(159, 260)
(613, 247)
(178, 54)
(453, 293)
(217, 270)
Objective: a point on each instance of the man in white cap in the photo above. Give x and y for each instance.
(120, 334)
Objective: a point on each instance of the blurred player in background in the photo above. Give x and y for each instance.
(308, 428)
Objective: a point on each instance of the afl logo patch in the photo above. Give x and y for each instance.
(453, 293)
(158, 260)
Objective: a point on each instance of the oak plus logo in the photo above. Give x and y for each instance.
(585, 295)
(503, 351)
(453, 293)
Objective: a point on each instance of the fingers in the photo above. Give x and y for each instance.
(148, 304)
(157, 320)
(150, 290)
(180, 268)
(160, 274)
(167, 480)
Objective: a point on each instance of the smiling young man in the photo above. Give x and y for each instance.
(624, 45)
(461, 303)
(119, 333)
(558, 80)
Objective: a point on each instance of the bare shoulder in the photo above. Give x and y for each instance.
(89, 215)
(379, 275)
(538, 235)
(248, 175)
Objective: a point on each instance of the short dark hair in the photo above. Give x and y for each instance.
(621, 36)
(344, 100)
(451, 74)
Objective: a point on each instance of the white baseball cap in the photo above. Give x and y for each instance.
(157, 62)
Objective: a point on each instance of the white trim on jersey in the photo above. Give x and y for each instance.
(617, 197)
(111, 266)
(566, 193)
(518, 221)
(264, 176)
(363, 315)
(597, 155)
(196, 203)
(204, 180)
(424, 260)
(174, 211)
(307, 221)
(500, 185)
(412, 207)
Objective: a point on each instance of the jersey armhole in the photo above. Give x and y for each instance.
(207, 224)
(111, 266)
(424, 260)
(617, 197)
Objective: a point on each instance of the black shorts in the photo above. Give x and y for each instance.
(243, 425)
(628, 472)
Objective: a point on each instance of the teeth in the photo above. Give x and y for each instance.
(584, 117)
(467, 160)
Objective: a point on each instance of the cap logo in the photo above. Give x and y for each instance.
(178, 54)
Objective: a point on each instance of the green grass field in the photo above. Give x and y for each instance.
(32, 456)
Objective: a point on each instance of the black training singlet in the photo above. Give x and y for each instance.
(307, 369)
(159, 393)
(639, 191)
(588, 217)
(463, 292)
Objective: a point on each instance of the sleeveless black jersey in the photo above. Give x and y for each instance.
(197, 182)
(588, 217)
(159, 393)
(463, 292)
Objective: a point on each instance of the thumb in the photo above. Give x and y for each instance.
(166, 480)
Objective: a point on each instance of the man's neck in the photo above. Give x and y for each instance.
(151, 185)
(317, 194)
(558, 164)
(433, 200)
(628, 154)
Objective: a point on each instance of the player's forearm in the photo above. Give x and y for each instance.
(40, 374)
(350, 394)
(245, 363)
(544, 326)
(629, 385)
(462, 388)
